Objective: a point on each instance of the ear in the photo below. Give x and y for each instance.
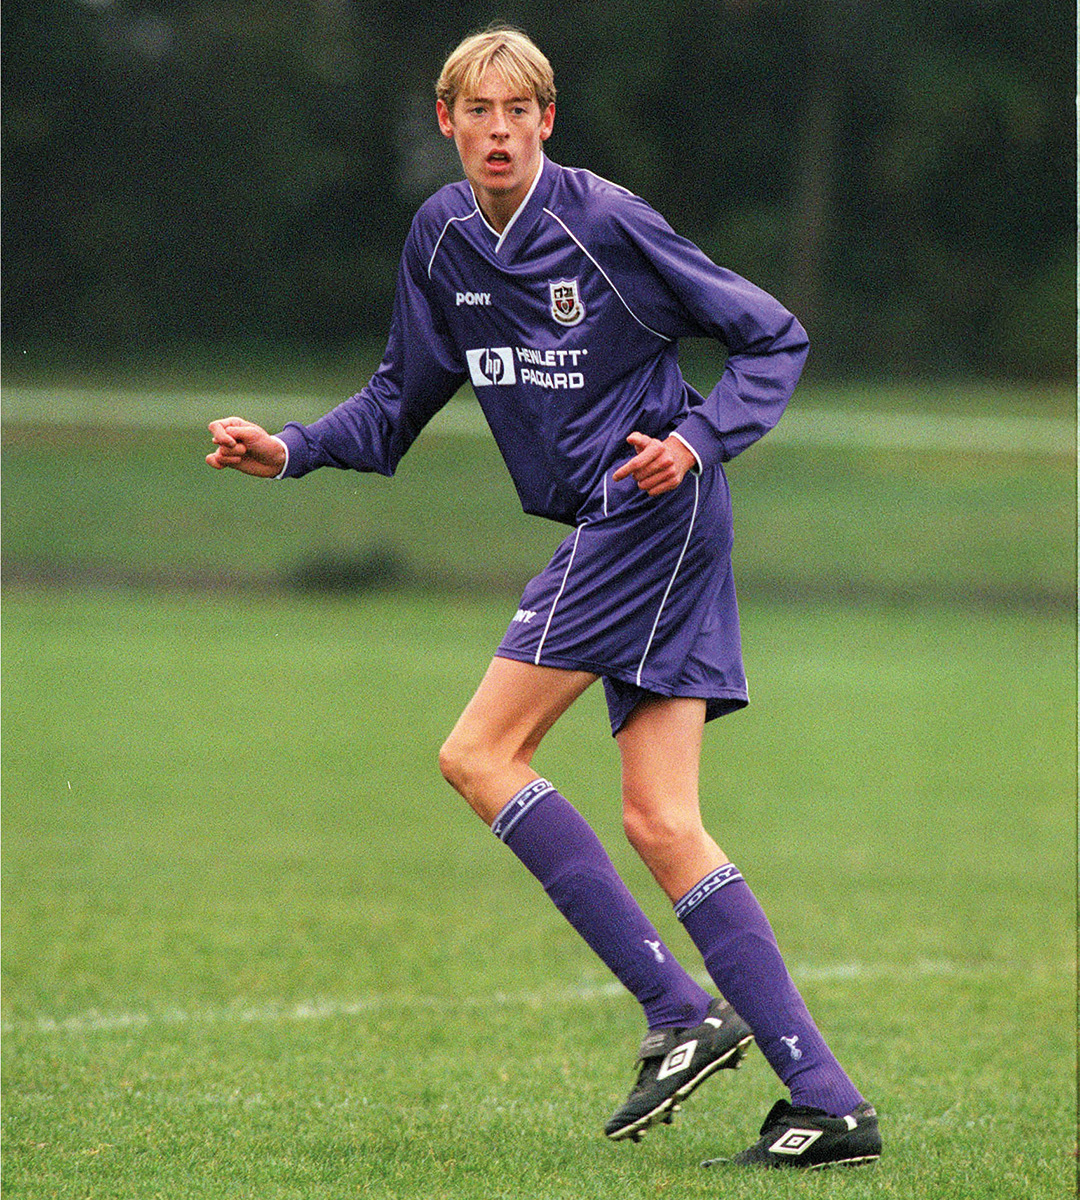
(446, 123)
(547, 122)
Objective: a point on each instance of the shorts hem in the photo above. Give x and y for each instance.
(558, 664)
(717, 703)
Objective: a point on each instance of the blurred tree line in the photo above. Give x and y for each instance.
(901, 174)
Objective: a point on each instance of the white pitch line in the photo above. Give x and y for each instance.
(859, 429)
(94, 1021)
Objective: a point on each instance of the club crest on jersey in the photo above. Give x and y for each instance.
(566, 306)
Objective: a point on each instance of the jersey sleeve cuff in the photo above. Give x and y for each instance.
(285, 446)
(702, 440)
(297, 455)
(697, 457)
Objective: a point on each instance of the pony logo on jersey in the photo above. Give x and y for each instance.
(490, 366)
(566, 306)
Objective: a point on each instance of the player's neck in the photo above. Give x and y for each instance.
(500, 209)
(497, 211)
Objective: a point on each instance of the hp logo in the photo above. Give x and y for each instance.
(491, 366)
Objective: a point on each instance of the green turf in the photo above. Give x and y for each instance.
(819, 522)
(254, 947)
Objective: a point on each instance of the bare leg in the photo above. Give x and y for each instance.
(487, 758)
(660, 745)
(488, 754)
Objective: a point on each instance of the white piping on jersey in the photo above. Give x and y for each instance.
(671, 581)
(554, 603)
(431, 261)
(580, 246)
(479, 212)
(519, 210)
(610, 183)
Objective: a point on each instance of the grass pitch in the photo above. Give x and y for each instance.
(254, 947)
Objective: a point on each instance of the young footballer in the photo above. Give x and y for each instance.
(561, 297)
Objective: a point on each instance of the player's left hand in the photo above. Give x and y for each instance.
(657, 467)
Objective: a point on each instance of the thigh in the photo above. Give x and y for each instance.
(500, 728)
(660, 745)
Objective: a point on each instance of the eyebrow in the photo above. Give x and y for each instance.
(490, 100)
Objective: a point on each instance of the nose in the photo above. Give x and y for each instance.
(499, 125)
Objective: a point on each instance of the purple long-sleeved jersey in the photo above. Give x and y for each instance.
(567, 325)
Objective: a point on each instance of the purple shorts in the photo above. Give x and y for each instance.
(643, 596)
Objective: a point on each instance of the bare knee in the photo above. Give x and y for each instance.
(482, 775)
(459, 762)
(659, 836)
(673, 844)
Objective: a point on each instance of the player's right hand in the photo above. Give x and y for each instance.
(245, 447)
(657, 467)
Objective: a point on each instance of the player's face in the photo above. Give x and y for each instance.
(498, 134)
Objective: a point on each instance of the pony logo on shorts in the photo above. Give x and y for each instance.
(566, 305)
(491, 366)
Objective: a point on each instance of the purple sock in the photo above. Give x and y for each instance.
(736, 940)
(558, 846)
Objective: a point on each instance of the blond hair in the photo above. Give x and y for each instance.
(512, 53)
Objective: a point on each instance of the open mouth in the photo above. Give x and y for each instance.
(498, 158)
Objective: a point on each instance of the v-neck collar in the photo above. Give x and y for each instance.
(503, 241)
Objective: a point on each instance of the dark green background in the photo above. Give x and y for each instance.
(235, 175)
